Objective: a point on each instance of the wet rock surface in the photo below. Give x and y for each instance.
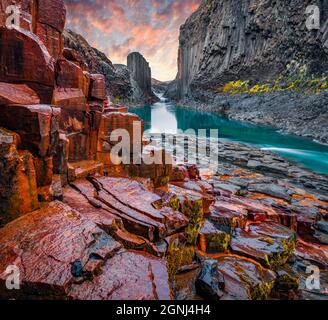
(79, 226)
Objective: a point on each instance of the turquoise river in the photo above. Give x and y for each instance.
(166, 117)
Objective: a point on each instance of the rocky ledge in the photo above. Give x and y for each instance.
(248, 230)
(295, 113)
(78, 226)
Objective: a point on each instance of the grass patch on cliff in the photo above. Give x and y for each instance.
(309, 86)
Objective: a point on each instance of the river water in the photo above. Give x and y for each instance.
(166, 117)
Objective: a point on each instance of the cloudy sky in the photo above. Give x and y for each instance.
(118, 27)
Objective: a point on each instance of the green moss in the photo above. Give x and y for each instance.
(298, 84)
(260, 291)
(277, 260)
(161, 181)
(194, 211)
(217, 242)
(177, 257)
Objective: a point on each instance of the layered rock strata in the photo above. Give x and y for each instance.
(76, 225)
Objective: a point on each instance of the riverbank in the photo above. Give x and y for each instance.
(167, 117)
(304, 115)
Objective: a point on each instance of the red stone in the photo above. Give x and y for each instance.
(116, 120)
(69, 75)
(68, 98)
(52, 247)
(104, 219)
(74, 56)
(17, 94)
(268, 243)
(52, 13)
(137, 197)
(206, 199)
(315, 253)
(51, 38)
(129, 275)
(179, 173)
(245, 279)
(44, 171)
(228, 218)
(98, 87)
(18, 187)
(24, 59)
(37, 126)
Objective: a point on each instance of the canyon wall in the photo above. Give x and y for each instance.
(255, 60)
(141, 74)
(257, 40)
(123, 84)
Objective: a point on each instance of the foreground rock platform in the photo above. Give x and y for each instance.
(63, 255)
(78, 224)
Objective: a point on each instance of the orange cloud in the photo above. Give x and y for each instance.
(118, 27)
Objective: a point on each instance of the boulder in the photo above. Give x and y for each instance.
(201, 187)
(69, 75)
(74, 56)
(271, 190)
(207, 200)
(179, 173)
(271, 245)
(17, 94)
(122, 121)
(37, 125)
(52, 247)
(314, 253)
(227, 216)
(179, 254)
(245, 279)
(18, 184)
(129, 275)
(137, 197)
(210, 282)
(50, 37)
(212, 240)
(24, 59)
(52, 13)
(89, 208)
(70, 99)
(97, 87)
(191, 205)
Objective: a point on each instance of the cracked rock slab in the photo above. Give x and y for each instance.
(51, 247)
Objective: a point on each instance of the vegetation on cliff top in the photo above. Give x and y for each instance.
(309, 86)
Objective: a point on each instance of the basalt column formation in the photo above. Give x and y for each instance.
(79, 226)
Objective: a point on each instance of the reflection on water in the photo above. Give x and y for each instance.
(165, 117)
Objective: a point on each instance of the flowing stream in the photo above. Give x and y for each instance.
(166, 117)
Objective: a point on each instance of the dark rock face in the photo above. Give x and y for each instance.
(141, 74)
(251, 40)
(118, 84)
(128, 84)
(159, 86)
(256, 41)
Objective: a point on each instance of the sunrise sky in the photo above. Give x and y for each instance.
(118, 27)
